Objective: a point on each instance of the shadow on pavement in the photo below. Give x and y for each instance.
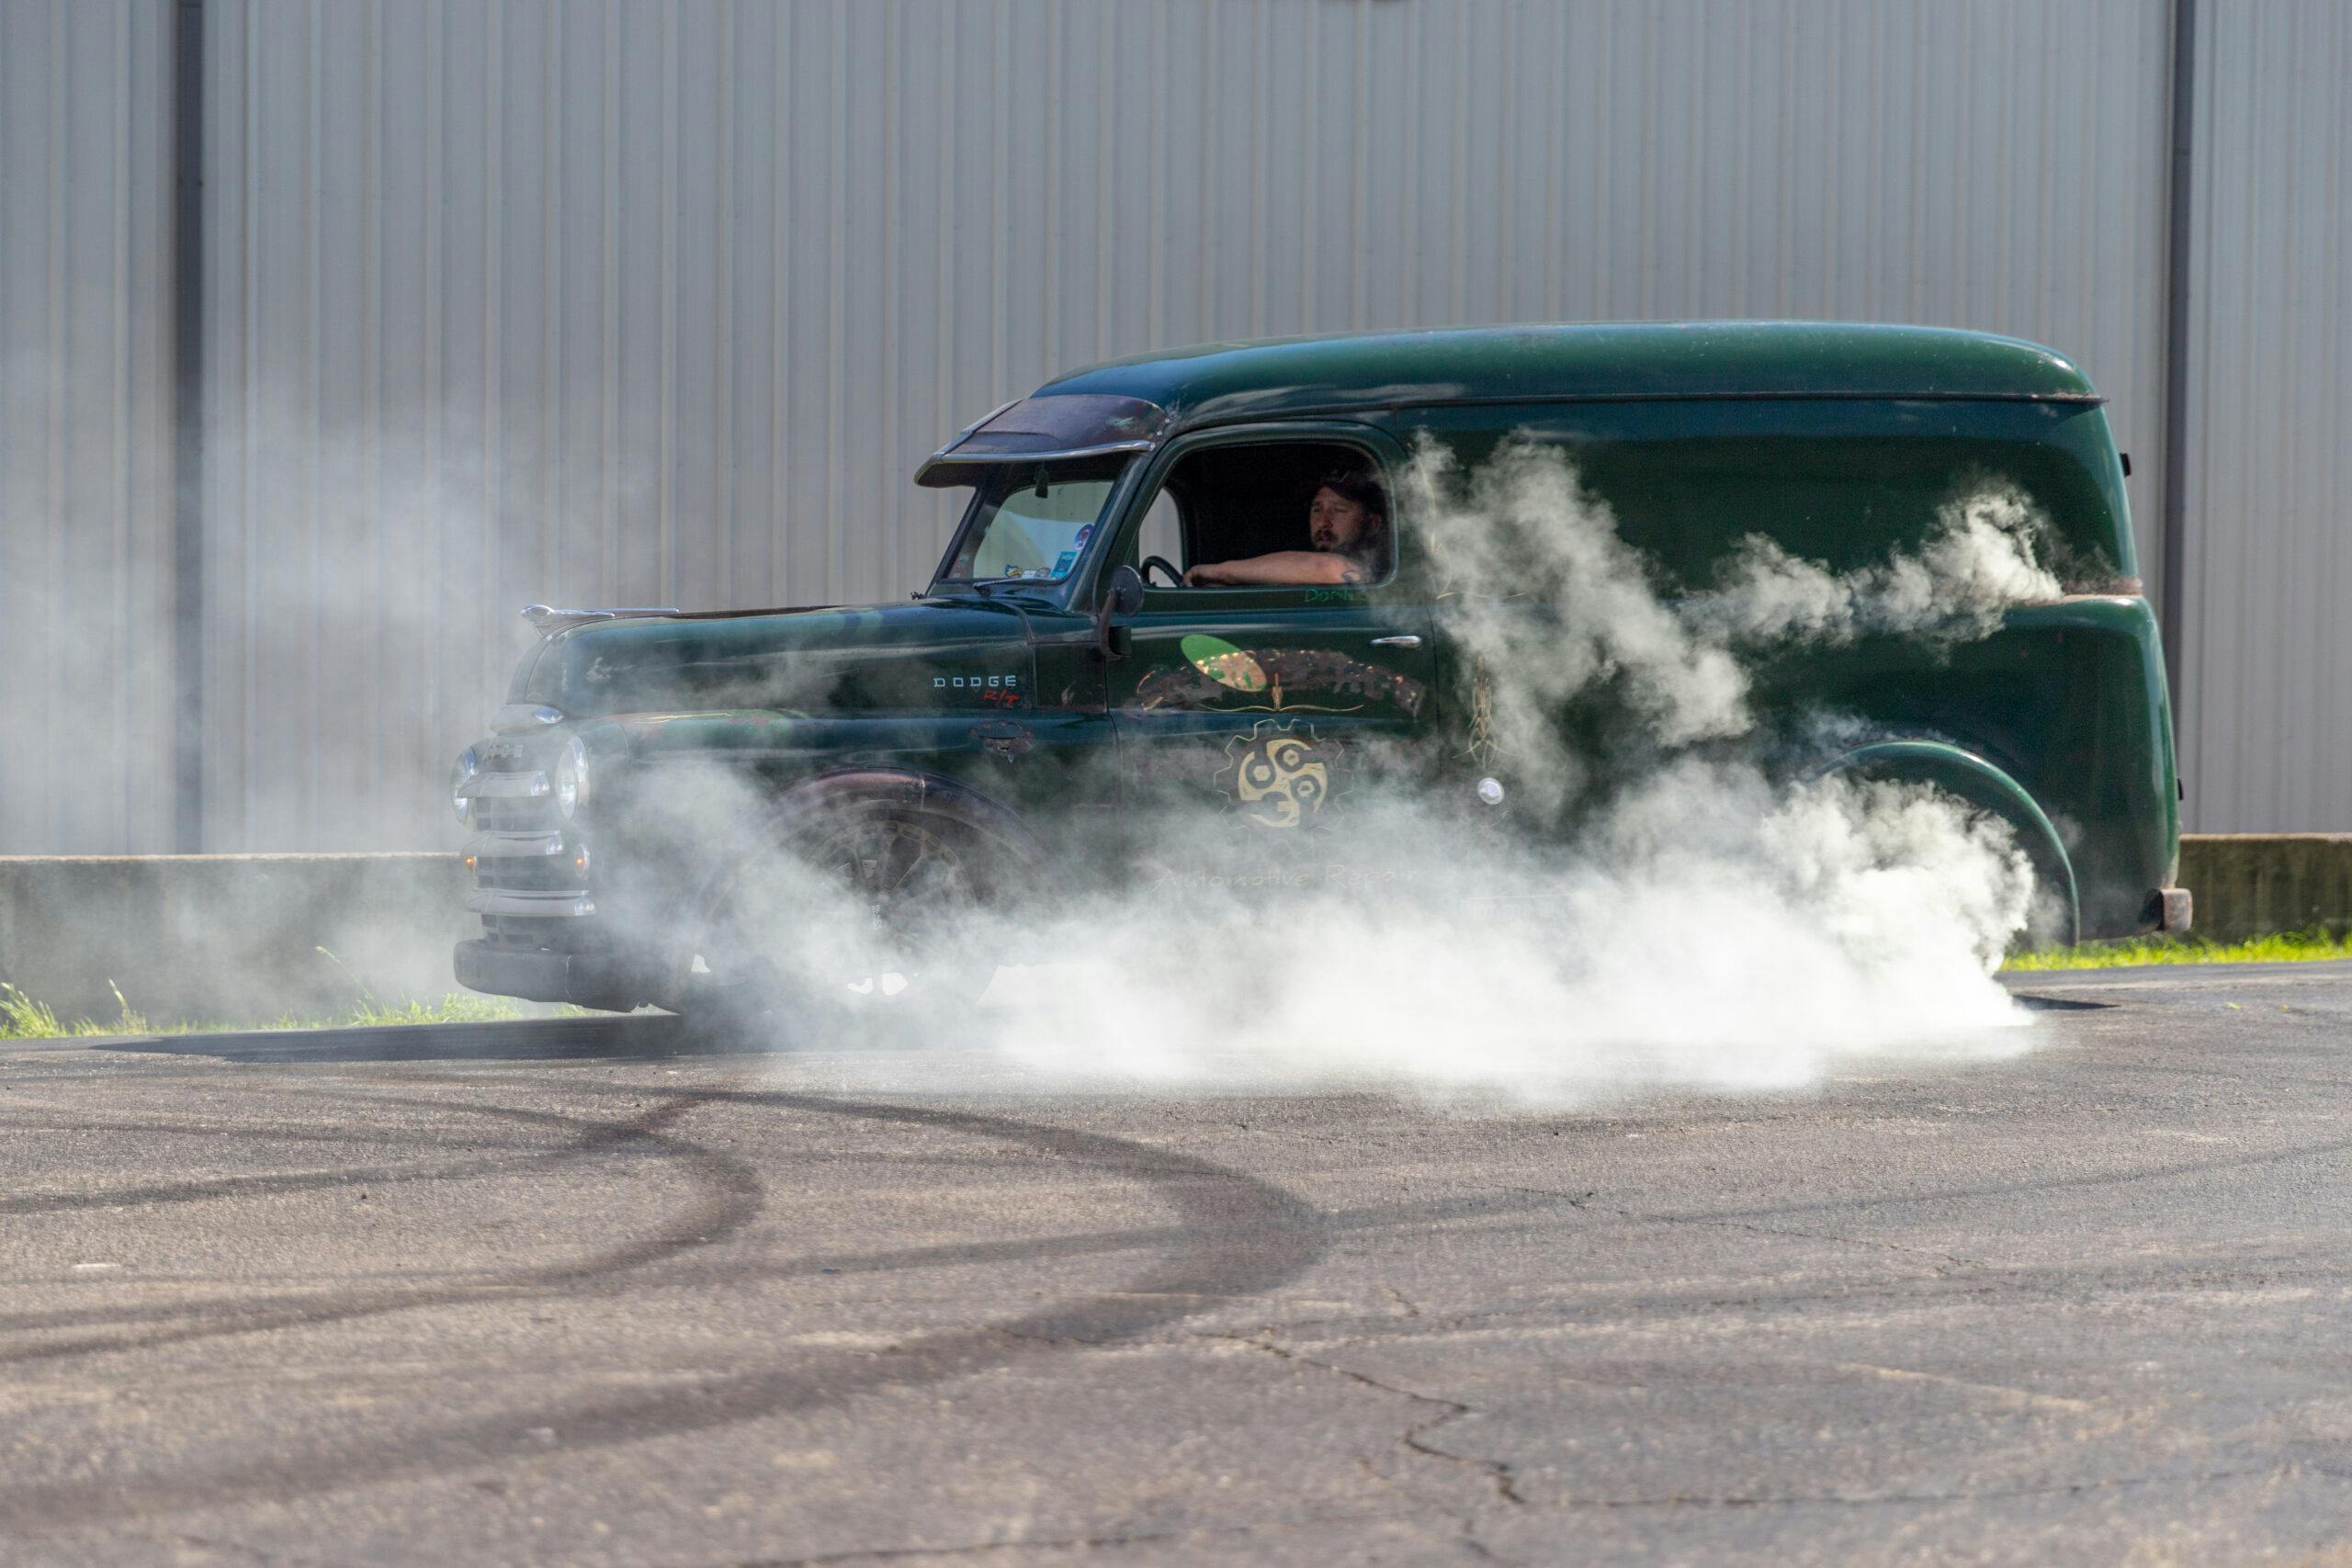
(2032, 1003)
(629, 1037)
(642, 1036)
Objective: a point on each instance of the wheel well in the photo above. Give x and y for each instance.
(795, 823)
(1987, 788)
(1005, 848)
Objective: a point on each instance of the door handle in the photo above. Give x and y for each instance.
(1407, 640)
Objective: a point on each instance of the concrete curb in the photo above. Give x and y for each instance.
(229, 936)
(2251, 885)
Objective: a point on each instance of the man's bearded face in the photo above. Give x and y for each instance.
(1335, 523)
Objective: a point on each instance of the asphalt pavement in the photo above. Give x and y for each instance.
(605, 1292)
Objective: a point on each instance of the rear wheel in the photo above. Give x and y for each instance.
(2052, 912)
(2051, 918)
(867, 914)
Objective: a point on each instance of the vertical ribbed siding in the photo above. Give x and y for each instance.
(85, 514)
(608, 303)
(586, 300)
(2267, 571)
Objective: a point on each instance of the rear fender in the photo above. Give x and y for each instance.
(1982, 785)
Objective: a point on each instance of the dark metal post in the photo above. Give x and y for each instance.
(2174, 551)
(188, 423)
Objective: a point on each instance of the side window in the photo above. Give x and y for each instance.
(1271, 514)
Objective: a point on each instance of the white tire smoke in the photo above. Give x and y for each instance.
(1707, 925)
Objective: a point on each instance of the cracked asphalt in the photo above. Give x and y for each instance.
(598, 1293)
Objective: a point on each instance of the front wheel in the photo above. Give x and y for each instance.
(865, 915)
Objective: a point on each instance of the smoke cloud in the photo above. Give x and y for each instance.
(1703, 922)
(1982, 557)
(1677, 948)
(1661, 908)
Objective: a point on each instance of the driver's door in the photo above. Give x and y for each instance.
(1249, 720)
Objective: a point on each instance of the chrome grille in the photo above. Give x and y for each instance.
(531, 878)
(512, 802)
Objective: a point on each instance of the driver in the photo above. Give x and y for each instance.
(1348, 523)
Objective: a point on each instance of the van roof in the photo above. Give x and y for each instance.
(1219, 383)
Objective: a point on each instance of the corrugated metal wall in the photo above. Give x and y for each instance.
(585, 300)
(2266, 722)
(619, 303)
(85, 514)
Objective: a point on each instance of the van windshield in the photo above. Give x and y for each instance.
(1031, 524)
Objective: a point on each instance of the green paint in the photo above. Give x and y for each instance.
(1269, 380)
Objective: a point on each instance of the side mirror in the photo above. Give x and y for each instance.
(1124, 596)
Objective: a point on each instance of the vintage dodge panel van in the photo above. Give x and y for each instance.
(1087, 658)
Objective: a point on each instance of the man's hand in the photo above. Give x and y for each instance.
(1203, 576)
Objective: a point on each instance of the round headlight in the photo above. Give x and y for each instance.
(462, 775)
(572, 779)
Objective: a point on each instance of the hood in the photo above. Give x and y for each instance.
(811, 661)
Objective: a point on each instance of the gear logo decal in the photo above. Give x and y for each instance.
(1279, 775)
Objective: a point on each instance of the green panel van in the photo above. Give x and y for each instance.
(1196, 581)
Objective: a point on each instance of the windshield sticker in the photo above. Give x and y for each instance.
(1063, 562)
(1084, 533)
(1278, 775)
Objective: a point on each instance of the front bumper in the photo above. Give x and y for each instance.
(610, 981)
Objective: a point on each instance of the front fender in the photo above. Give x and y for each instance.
(1980, 784)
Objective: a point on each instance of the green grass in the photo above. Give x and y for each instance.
(2286, 947)
(24, 1018)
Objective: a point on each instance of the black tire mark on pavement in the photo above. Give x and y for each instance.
(1523, 1201)
(225, 1130)
(621, 1037)
(1240, 1237)
(731, 1198)
(2288, 1156)
(596, 1139)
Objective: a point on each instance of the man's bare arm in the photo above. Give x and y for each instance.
(1282, 568)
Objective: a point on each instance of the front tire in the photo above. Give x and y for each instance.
(864, 916)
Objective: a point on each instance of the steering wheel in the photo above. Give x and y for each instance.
(1175, 578)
